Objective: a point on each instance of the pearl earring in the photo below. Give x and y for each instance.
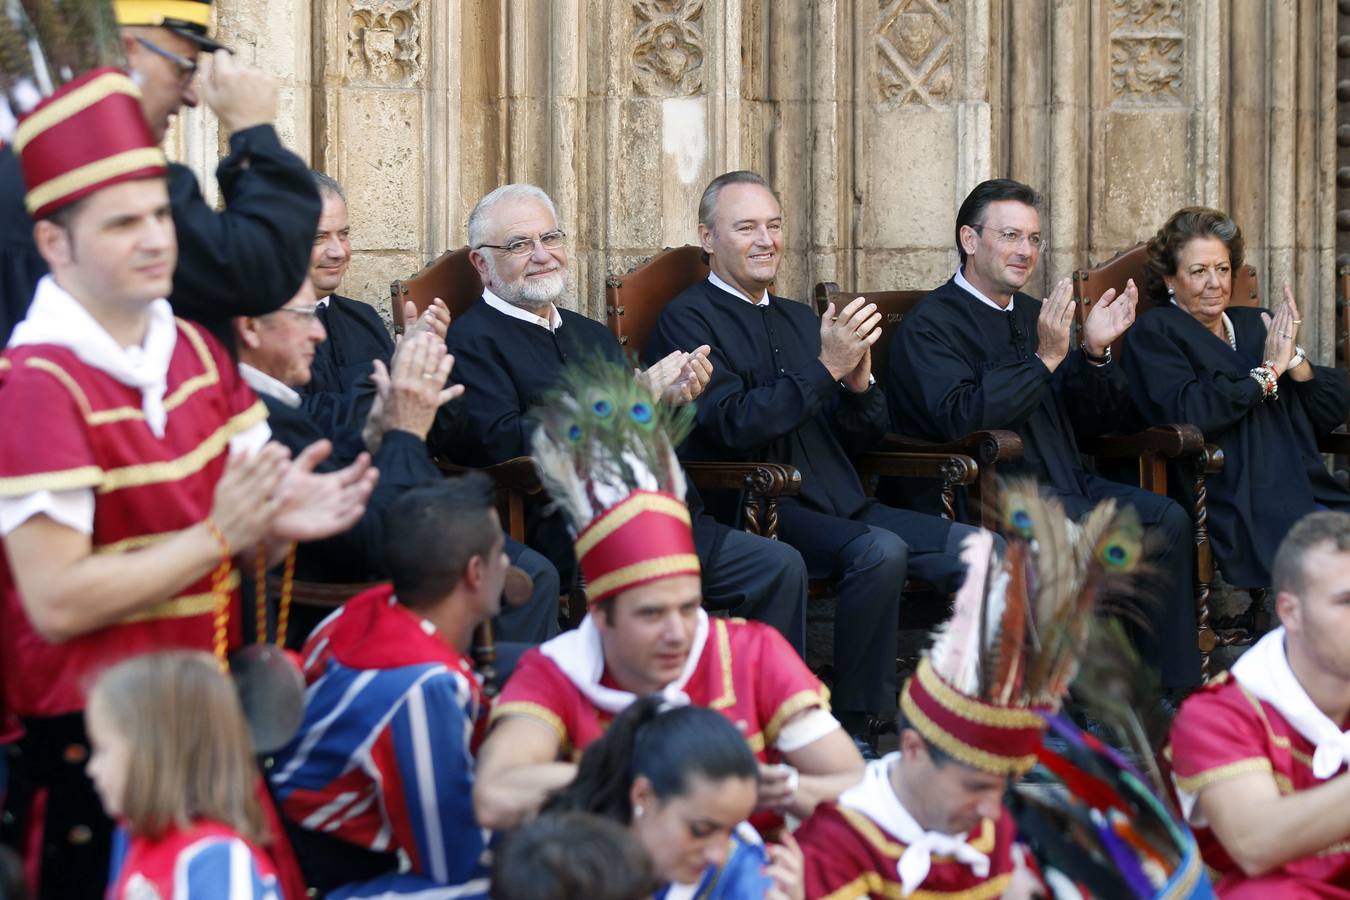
(637, 811)
(1171, 292)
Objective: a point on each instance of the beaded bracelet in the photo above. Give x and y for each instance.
(1265, 376)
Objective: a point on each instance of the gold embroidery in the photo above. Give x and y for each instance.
(870, 832)
(1194, 784)
(72, 104)
(1278, 740)
(789, 708)
(184, 607)
(756, 741)
(872, 884)
(65, 480)
(92, 173)
(189, 463)
(134, 543)
(960, 750)
(660, 567)
(532, 711)
(60, 374)
(982, 713)
(728, 698)
(624, 513)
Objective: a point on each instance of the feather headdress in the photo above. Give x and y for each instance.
(606, 455)
(1018, 628)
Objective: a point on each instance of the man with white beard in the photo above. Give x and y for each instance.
(509, 351)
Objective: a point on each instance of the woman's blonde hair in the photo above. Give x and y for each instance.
(191, 756)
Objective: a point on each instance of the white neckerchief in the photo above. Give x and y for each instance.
(1265, 673)
(552, 323)
(965, 285)
(55, 317)
(875, 798)
(580, 656)
(736, 292)
(263, 383)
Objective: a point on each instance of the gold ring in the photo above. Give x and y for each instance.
(834, 318)
(428, 374)
(1284, 334)
(857, 334)
(1298, 321)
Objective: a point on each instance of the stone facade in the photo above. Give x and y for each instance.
(872, 117)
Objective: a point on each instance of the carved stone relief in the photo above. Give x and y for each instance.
(1147, 52)
(914, 52)
(383, 42)
(668, 47)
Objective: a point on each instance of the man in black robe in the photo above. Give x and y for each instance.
(275, 353)
(977, 353)
(247, 259)
(509, 351)
(792, 388)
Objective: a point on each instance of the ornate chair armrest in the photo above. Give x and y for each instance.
(950, 468)
(761, 478)
(989, 447)
(1337, 442)
(1171, 441)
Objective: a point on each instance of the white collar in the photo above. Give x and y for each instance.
(263, 383)
(961, 282)
(552, 323)
(875, 798)
(736, 292)
(581, 657)
(56, 317)
(322, 302)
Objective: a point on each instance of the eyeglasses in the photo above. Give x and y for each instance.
(549, 240)
(1012, 237)
(304, 312)
(186, 67)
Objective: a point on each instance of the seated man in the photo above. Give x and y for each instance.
(646, 631)
(789, 387)
(978, 354)
(510, 350)
(1258, 757)
(382, 767)
(274, 355)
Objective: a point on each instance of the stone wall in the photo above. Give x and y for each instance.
(872, 117)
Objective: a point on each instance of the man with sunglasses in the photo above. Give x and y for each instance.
(247, 259)
(509, 351)
(978, 353)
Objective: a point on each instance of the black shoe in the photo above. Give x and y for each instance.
(865, 747)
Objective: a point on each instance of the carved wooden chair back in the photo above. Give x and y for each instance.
(893, 306)
(451, 276)
(634, 301)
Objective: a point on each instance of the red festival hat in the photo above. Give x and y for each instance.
(605, 452)
(89, 135)
(1019, 622)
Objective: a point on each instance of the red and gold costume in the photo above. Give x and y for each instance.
(1223, 731)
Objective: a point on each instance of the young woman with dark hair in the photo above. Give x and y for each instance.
(683, 780)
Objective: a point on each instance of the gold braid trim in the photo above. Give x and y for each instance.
(974, 710)
(660, 567)
(1194, 784)
(93, 173)
(531, 711)
(72, 104)
(728, 698)
(189, 463)
(625, 512)
(185, 606)
(874, 885)
(870, 832)
(960, 750)
(799, 701)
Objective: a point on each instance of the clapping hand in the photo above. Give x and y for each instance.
(408, 394)
(1281, 333)
(434, 319)
(678, 377)
(311, 505)
(1054, 324)
(1109, 318)
(846, 342)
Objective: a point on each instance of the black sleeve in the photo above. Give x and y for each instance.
(251, 257)
(741, 417)
(1097, 397)
(935, 394)
(487, 424)
(1167, 388)
(861, 420)
(1325, 397)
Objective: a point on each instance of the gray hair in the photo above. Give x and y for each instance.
(707, 204)
(1313, 530)
(327, 184)
(478, 224)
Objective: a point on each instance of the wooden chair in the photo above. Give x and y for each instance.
(991, 448)
(1182, 448)
(450, 276)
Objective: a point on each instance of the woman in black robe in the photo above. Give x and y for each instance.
(1240, 376)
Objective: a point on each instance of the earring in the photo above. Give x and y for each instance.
(637, 811)
(1171, 292)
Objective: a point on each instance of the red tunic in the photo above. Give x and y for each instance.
(849, 856)
(68, 426)
(747, 671)
(1222, 732)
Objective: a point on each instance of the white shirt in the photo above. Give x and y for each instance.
(552, 323)
(736, 292)
(975, 292)
(263, 383)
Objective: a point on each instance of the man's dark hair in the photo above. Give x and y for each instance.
(431, 532)
(62, 216)
(939, 756)
(667, 746)
(1311, 531)
(327, 184)
(560, 856)
(986, 192)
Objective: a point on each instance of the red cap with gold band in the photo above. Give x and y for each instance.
(62, 164)
(997, 739)
(643, 538)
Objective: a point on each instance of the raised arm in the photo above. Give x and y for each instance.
(517, 770)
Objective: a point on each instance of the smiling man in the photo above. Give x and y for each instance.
(978, 353)
(790, 387)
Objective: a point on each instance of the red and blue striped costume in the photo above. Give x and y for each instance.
(207, 861)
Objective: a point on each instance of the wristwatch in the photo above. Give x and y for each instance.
(1297, 359)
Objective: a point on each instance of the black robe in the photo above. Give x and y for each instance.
(771, 399)
(1272, 474)
(957, 365)
(507, 366)
(246, 260)
(340, 391)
